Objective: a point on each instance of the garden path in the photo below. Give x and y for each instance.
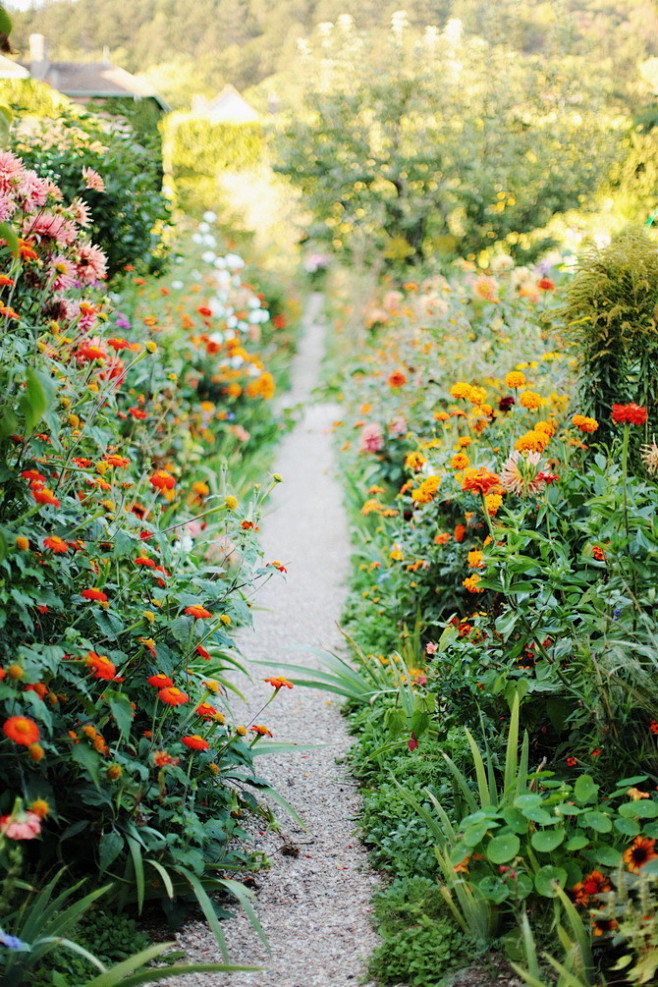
(314, 903)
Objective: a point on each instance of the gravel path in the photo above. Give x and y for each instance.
(314, 901)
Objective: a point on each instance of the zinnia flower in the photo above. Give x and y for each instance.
(631, 414)
(20, 826)
(21, 729)
(196, 742)
(521, 473)
(372, 437)
(649, 458)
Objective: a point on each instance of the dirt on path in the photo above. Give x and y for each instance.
(314, 902)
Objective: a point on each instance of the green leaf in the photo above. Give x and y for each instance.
(138, 871)
(110, 846)
(529, 801)
(576, 842)
(9, 235)
(546, 877)
(121, 709)
(629, 827)
(5, 21)
(585, 789)
(642, 809)
(607, 856)
(598, 821)
(516, 821)
(493, 889)
(37, 398)
(547, 840)
(503, 848)
(476, 832)
(88, 759)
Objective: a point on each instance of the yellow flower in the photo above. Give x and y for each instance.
(530, 400)
(493, 502)
(225, 619)
(151, 346)
(460, 461)
(475, 559)
(231, 502)
(471, 584)
(148, 615)
(515, 378)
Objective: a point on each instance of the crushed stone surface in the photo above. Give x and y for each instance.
(314, 902)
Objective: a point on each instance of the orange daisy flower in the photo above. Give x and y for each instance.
(22, 730)
(173, 696)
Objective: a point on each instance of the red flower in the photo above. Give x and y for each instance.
(21, 729)
(103, 667)
(397, 378)
(145, 560)
(201, 651)
(204, 311)
(56, 544)
(631, 414)
(209, 712)
(545, 284)
(200, 613)
(161, 759)
(162, 480)
(119, 461)
(94, 594)
(45, 496)
(160, 681)
(173, 696)
(196, 742)
(480, 480)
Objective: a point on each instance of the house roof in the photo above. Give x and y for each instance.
(12, 70)
(97, 80)
(227, 107)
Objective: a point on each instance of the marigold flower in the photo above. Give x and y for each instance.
(533, 441)
(493, 503)
(56, 544)
(173, 696)
(424, 494)
(584, 423)
(471, 584)
(195, 742)
(639, 853)
(442, 538)
(475, 558)
(598, 553)
(279, 682)
(261, 731)
(460, 461)
(414, 461)
(480, 480)
(530, 400)
(198, 612)
(459, 532)
(22, 730)
(514, 379)
(631, 414)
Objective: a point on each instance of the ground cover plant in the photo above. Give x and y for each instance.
(504, 583)
(128, 555)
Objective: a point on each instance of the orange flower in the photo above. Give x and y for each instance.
(114, 772)
(196, 742)
(584, 423)
(475, 559)
(459, 533)
(21, 729)
(278, 682)
(471, 584)
(639, 853)
(161, 759)
(261, 731)
(173, 696)
(598, 553)
(45, 496)
(515, 379)
(160, 681)
(198, 612)
(162, 480)
(592, 884)
(103, 667)
(94, 594)
(397, 379)
(460, 461)
(480, 480)
(545, 284)
(209, 712)
(631, 414)
(442, 538)
(56, 544)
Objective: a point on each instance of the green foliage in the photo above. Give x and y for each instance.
(403, 154)
(198, 151)
(421, 944)
(128, 218)
(611, 313)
